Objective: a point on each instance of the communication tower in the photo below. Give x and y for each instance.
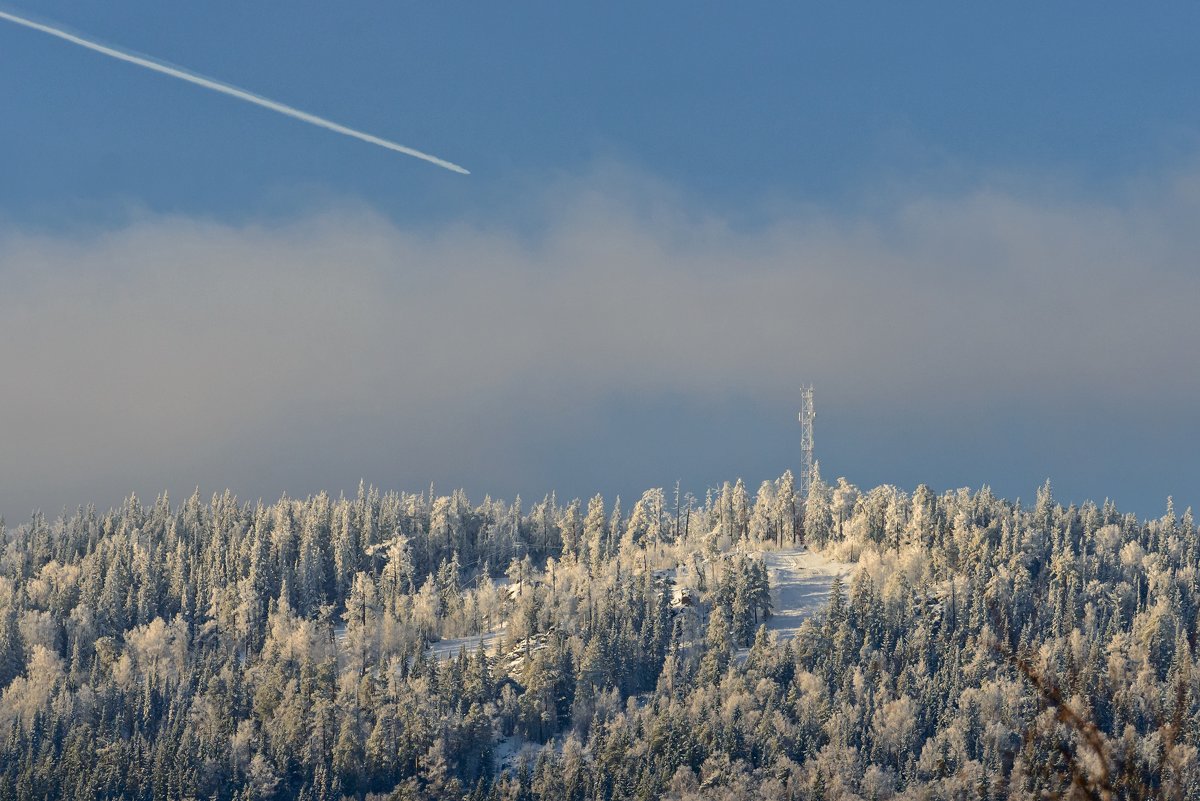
(807, 414)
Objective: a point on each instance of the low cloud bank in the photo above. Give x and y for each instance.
(173, 352)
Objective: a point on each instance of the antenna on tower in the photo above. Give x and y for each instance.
(807, 414)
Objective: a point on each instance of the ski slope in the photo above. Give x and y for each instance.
(800, 581)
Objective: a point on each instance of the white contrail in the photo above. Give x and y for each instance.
(232, 91)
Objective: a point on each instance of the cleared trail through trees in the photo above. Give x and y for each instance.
(800, 582)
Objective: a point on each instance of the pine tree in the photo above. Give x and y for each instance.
(818, 520)
(718, 648)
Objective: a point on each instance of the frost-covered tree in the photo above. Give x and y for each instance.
(412, 645)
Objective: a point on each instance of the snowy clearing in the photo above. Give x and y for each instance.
(800, 582)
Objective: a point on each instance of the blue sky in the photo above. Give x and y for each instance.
(734, 106)
(967, 153)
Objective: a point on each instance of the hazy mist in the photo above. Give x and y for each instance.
(617, 338)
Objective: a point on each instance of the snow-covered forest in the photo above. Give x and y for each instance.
(416, 646)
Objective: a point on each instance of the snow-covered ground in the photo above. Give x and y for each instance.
(510, 750)
(800, 582)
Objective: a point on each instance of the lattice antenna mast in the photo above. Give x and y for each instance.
(807, 414)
